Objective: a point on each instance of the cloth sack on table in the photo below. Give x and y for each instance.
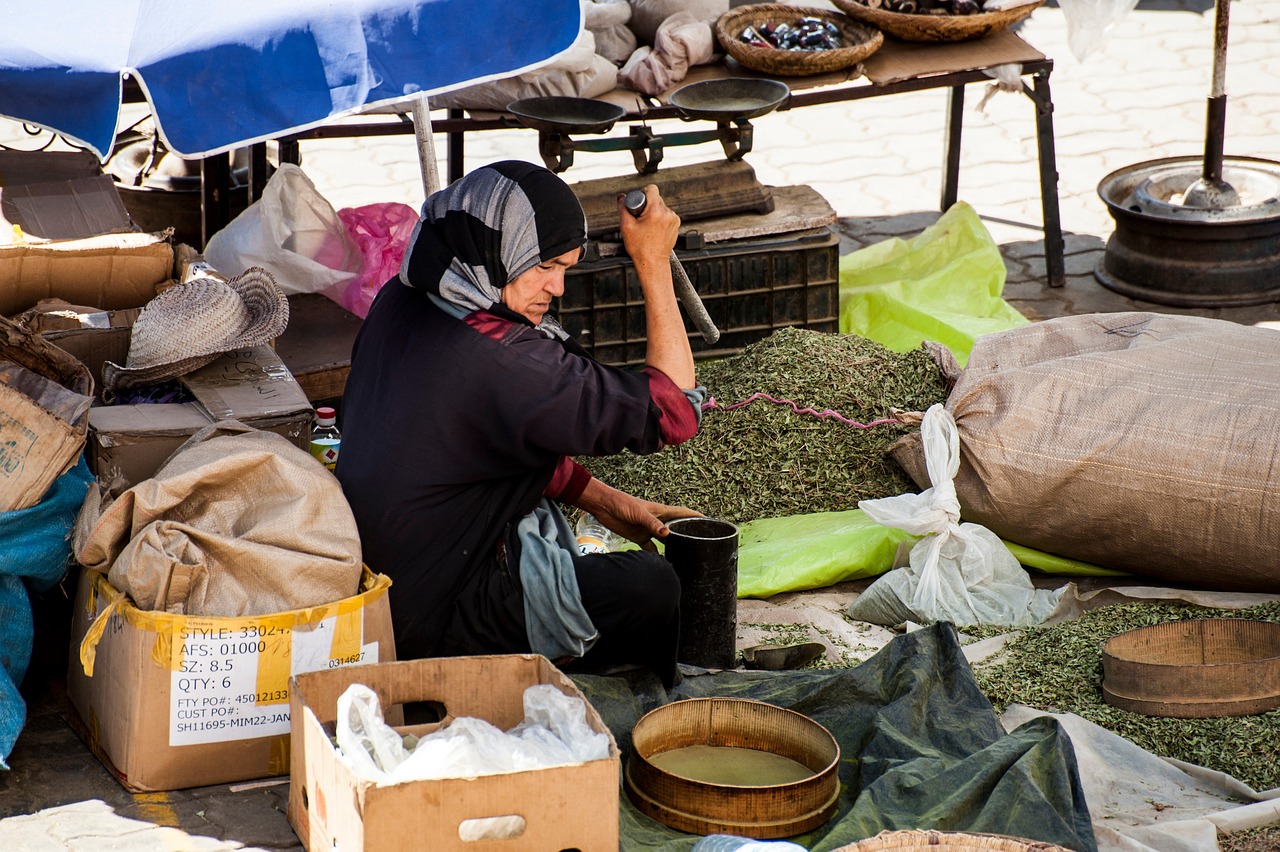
(236, 522)
(579, 72)
(1142, 442)
(608, 21)
(681, 42)
(647, 15)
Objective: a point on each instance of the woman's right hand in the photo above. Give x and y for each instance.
(650, 237)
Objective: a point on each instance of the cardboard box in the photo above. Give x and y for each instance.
(563, 807)
(44, 395)
(169, 701)
(111, 271)
(128, 443)
(77, 241)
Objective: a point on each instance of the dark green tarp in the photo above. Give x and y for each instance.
(921, 747)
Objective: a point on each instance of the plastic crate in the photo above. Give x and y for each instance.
(750, 288)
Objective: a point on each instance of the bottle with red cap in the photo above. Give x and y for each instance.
(325, 438)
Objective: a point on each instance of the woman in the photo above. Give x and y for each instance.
(465, 405)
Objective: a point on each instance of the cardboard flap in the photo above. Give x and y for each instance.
(247, 384)
(901, 60)
(63, 210)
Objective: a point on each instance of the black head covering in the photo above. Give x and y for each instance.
(481, 232)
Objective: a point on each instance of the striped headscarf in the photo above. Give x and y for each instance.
(481, 232)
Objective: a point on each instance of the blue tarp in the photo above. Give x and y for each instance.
(920, 748)
(35, 549)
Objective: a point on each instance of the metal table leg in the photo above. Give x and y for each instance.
(257, 170)
(215, 207)
(951, 157)
(1055, 264)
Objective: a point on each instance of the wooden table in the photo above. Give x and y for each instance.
(897, 67)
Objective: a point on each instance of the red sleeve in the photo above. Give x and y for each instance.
(568, 482)
(678, 422)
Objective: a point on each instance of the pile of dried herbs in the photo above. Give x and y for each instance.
(1059, 669)
(764, 459)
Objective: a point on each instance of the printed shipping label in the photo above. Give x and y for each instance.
(232, 683)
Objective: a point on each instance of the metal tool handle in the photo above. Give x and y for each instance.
(635, 203)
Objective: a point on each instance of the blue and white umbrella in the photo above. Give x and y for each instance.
(222, 74)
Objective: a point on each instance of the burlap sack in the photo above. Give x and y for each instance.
(236, 522)
(1144, 442)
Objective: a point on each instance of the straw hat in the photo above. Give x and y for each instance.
(191, 324)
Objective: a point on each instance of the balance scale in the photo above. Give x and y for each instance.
(730, 102)
(699, 191)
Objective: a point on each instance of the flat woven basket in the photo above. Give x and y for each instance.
(859, 39)
(925, 27)
(911, 841)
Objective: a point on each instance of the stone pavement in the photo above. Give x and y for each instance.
(1141, 95)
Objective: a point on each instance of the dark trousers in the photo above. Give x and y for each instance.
(632, 598)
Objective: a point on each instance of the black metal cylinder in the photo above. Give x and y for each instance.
(704, 553)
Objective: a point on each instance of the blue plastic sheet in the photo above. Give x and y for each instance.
(35, 549)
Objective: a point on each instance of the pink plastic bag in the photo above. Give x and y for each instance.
(382, 232)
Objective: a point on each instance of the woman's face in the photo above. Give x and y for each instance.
(530, 293)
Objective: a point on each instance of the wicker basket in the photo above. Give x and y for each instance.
(935, 27)
(861, 41)
(924, 841)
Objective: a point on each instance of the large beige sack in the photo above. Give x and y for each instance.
(236, 522)
(1144, 442)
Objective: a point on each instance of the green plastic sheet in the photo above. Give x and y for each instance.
(801, 552)
(812, 551)
(942, 285)
(920, 748)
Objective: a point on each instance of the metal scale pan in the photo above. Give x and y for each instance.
(566, 115)
(729, 98)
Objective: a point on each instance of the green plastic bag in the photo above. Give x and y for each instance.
(942, 285)
(812, 551)
(801, 552)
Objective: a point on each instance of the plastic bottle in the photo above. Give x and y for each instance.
(593, 536)
(325, 437)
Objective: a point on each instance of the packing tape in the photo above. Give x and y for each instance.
(347, 614)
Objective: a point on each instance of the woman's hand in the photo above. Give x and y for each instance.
(650, 237)
(637, 520)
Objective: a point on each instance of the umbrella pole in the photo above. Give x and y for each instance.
(426, 146)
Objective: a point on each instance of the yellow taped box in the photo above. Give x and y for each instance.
(171, 701)
(330, 807)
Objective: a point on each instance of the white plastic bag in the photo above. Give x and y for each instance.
(1089, 20)
(373, 747)
(961, 573)
(293, 232)
(554, 733)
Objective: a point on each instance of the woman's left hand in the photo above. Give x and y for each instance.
(640, 521)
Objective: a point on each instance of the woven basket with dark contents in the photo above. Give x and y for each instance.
(926, 27)
(859, 40)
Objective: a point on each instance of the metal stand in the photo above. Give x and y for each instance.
(646, 147)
